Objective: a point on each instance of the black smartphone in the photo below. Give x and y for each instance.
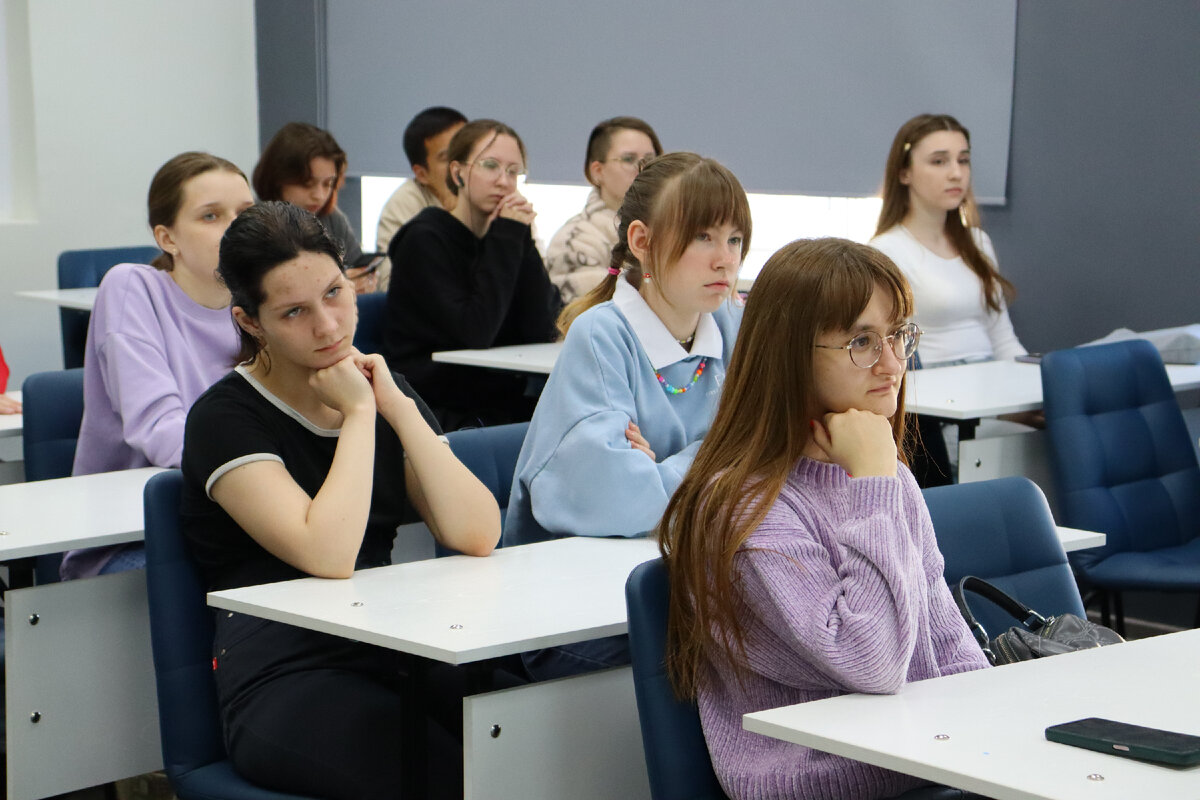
(1029, 358)
(1129, 741)
(369, 261)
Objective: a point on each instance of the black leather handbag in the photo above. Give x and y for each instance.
(1035, 636)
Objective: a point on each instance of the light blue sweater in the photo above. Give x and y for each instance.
(577, 474)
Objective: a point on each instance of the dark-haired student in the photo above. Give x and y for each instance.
(305, 166)
(302, 461)
(426, 144)
(471, 278)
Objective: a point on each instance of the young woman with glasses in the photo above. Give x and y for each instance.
(929, 226)
(639, 377)
(578, 255)
(470, 278)
(802, 559)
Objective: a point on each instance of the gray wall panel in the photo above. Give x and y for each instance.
(1102, 229)
(800, 97)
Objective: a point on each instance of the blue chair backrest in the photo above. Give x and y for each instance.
(83, 268)
(181, 635)
(368, 336)
(1002, 531)
(53, 412)
(491, 455)
(1119, 448)
(677, 759)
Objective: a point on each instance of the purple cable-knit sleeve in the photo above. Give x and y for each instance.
(840, 600)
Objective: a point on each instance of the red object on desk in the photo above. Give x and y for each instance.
(3, 374)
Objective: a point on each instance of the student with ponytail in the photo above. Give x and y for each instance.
(638, 380)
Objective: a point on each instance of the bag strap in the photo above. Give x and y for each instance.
(1018, 610)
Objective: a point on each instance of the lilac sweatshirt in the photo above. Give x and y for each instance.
(151, 351)
(843, 592)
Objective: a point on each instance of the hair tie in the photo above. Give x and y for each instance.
(614, 271)
(645, 276)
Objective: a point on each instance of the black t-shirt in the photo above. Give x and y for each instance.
(237, 421)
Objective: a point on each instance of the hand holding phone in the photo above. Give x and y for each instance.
(1128, 741)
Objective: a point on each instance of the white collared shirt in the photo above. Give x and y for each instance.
(661, 347)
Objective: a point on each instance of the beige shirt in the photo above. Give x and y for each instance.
(580, 253)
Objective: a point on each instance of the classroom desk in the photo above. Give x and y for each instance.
(536, 358)
(81, 703)
(970, 392)
(12, 424)
(458, 610)
(967, 393)
(576, 737)
(994, 720)
(81, 299)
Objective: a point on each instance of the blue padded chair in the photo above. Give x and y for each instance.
(491, 455)
(181, 635)
(83, 268)
(677, 759)
(1002, 531)
(1125, 466)
(368, 336)
(53, 412)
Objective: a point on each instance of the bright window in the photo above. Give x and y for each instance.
(778, 218)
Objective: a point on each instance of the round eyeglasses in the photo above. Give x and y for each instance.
(867, 347)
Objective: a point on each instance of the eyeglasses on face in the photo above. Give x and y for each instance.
(867, 347)
(491, 167)
(632, 160)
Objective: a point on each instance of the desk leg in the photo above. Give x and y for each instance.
(574, 737)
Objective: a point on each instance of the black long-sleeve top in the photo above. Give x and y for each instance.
(451, 290)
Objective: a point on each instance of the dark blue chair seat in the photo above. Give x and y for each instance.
(491, 455)
(1125, 465)
(368, 336)
(1002, 531)
(181, 635)
(79, 269)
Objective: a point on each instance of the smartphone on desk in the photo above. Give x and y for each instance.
(1129, 741)
(1029, 358)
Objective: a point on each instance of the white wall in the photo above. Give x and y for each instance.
(118, 87)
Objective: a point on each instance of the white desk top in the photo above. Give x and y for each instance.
(991, 388)
(517, 599)
(461, 609)
(82, 299)
(995, 719)
(12, 424)
(536, 358)
(1076, 539)
(52, 516)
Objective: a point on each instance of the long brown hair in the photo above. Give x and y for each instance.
(165, 198)
(896, 204)
(676, 195)
(760, 431)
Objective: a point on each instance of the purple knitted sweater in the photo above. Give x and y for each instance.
(843, 592)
